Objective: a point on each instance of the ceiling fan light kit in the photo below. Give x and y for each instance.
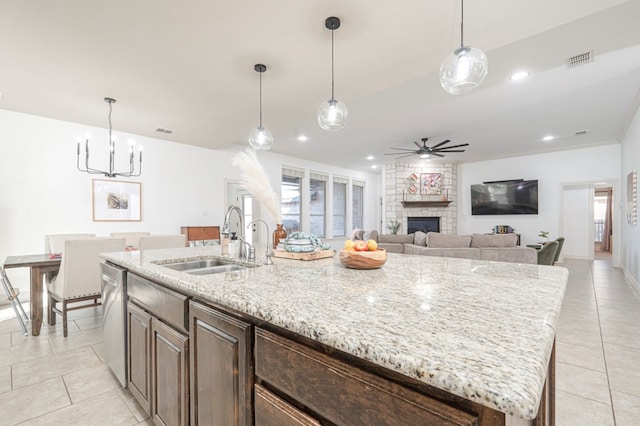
(332, 114)
(260, 137)
(465, 68)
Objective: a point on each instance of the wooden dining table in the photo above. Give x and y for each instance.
(39, 264)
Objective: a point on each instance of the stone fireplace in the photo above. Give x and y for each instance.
(396, 190)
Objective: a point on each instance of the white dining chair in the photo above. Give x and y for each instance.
(132, 239)
(162, 241)
(79, 278)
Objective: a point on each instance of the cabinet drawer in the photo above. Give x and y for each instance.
(170, 306)
(273, 411)
(343, 394)
(201, 232)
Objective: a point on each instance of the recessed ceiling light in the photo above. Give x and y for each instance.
(519, 75)
(374, 166)
(371, 157)
(548, 138)
(302, 138)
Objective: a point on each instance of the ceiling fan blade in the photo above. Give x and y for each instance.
(453, 150)
(440, 144)
(437, 155)
(404, 149)
(404, 156)
(455, 146)
(420, 147)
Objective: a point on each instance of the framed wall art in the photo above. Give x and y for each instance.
(632, 198)
(430, 183)
(116, 201)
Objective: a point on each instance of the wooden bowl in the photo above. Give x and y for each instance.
(363, 259)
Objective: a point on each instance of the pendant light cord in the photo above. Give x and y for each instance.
(461, 23)
(332, 79)
(261, 99)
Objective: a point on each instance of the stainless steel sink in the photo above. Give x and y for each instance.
(204, 266)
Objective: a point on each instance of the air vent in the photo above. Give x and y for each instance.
(581, 132)
(581, 59)
(167, 131)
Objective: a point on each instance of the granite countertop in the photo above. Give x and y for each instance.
(477, 329)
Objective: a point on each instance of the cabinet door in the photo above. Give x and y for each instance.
(273, 411)
(169, 375)
(221, 368)
(139, 355)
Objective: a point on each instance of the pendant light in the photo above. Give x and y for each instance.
(465, 68)
(332, 114)
(260, 138)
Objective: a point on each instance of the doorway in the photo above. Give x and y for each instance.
(602, 222)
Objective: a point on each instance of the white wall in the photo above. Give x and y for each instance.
(577, 215)
(630, 252)
(43, 193)
(553, 171)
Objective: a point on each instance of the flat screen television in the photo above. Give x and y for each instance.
(505, 197)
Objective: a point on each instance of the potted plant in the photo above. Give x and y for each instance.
(544, 235)
(394, 226)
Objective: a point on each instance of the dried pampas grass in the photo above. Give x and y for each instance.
(255, 180)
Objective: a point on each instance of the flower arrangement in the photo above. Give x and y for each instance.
(394, 226)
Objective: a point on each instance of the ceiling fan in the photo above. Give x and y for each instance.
(425, 151)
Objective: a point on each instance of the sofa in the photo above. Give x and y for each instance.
(495, 247)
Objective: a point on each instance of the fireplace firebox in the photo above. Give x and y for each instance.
(423, 223)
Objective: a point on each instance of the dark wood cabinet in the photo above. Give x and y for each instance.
(341, 393)
(274, 411)
(221, 368)
(169, 375)
(199, 233)
(139, 355)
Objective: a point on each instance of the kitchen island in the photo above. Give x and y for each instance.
(476, 335)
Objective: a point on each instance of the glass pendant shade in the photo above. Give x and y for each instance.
(463, 70)
(332, 115)
(260, 138)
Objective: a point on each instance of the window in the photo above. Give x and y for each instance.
(290, 199)
(318, 204)
(340, 206)
(358, 204)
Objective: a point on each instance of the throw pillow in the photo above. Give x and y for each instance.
(420, 238)
(371, 235)
(357, 234)
(494, 240)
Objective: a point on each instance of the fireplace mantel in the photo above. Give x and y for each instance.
(408, 204)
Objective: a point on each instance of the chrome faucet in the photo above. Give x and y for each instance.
(269, 253)
(247, 251)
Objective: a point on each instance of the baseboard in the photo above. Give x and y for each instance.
(572, 257)
(634, 283)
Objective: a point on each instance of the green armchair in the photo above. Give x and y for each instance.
(560, 241)
(547, 253)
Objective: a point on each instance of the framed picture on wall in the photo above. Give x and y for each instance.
(430, 183)
(116, 201)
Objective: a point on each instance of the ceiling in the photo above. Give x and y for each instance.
(189, 67)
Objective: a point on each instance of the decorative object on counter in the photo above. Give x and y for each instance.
(363, 259)
(314, 255)
(260, 138)
(112, 154)
(279, 234)
(300, 242)
(332, 114)
(394, 226)
(465, 68)
(255, 180)
(116, 201)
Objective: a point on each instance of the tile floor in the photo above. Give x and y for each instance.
(50, 380)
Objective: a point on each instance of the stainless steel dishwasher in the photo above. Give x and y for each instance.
(114, 318)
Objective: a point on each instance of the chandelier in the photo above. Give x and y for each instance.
(112, 153)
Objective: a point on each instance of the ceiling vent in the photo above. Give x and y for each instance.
(581, 132)
(581, 59)
(167, 131)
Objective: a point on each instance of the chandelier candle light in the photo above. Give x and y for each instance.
(465, 68)
(332, 114)
(260, 138)
(112, 153)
